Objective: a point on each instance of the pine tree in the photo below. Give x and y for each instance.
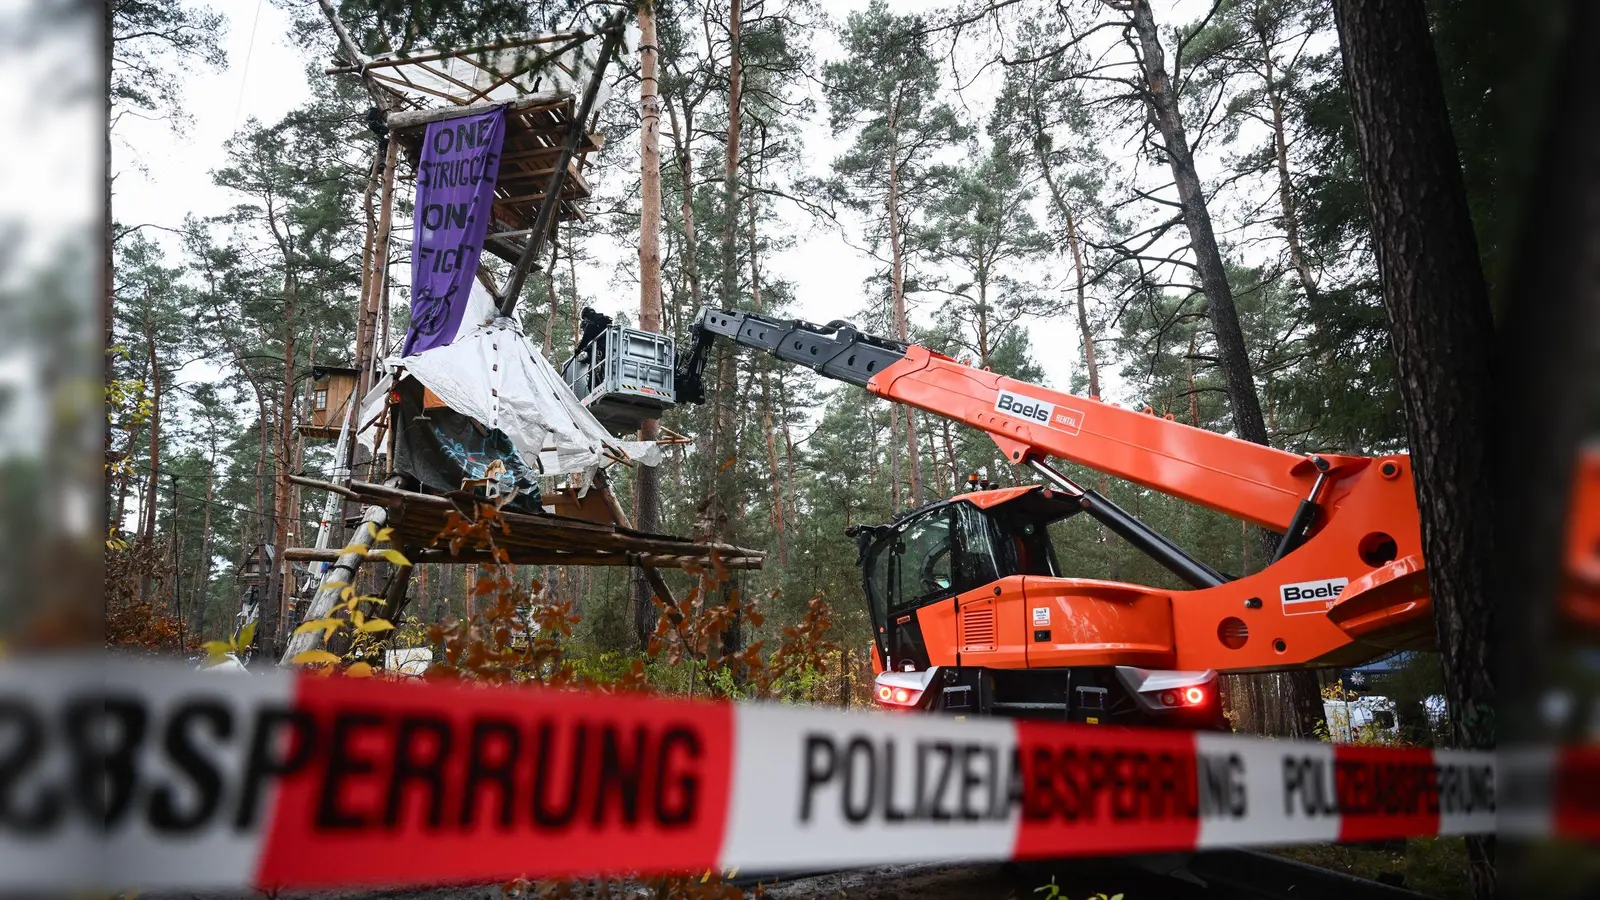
(886, 91)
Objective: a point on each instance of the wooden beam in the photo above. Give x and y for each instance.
(537, 557)
(361, 65)
(657, 583)
(412, 118)
(552, 193)
(509, 44)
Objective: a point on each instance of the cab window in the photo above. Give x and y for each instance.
(1035, 555)
(975, 562)
(878, 568)
(922, 560)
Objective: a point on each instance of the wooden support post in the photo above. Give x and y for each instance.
(341, 573)
(552, 192)
(372, 300)
(651, 573)
(413, 118)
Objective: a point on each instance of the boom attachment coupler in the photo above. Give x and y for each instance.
(836, 349)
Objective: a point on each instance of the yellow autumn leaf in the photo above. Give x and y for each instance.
(395, 556)
(217, 649)
(359, 670)
(383, 534)
(371, 626)
(247, 635)
(348, 549)
(358, 619)
(311, 625)
(314, 657)
(347, 593)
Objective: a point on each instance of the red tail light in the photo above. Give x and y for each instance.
(897, 696)
(1194, 696)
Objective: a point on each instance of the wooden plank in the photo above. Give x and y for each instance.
(526, 557)
(509, 44)
(426, 514)
(409, 119)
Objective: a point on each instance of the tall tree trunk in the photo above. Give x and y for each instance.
(108, 243)
(788, 446)
(723, 496)
(555, 305)
(682, 143)
(950, 454)
(897, 290)
(647, 492)
(1194, 390)
(1090, 362)
(1443, 330)
(1286, 203)
(262, 516)
(202, 579)
(1091, 366)
(775, 482)
(730, 169)
(894, 456)
(147, 528)
(983, 324)
(1548, 362)
(1232, 355)
(272, 607)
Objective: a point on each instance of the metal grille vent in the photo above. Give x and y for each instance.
(977, 629)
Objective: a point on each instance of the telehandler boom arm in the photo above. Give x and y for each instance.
(1347, 582)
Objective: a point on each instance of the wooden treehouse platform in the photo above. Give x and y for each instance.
(538, 78)
(583, 532)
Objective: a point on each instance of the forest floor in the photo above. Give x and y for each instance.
(1076, 880)
(1436, 867)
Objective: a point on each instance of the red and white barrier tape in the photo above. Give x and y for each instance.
(131, 774)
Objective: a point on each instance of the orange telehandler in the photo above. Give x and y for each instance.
(974, 611)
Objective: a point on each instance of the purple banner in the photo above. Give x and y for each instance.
(455, 190)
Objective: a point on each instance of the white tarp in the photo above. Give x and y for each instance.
(493, 374)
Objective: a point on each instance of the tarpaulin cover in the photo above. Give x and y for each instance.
(455, 191)
(495, 376)
(441, 448)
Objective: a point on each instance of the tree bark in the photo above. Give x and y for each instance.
(1548, 334)
(647, 486)
(727, 430)
(897, 289)
(272, 606)
(1443, 333)
(202, 581)
(730, 169)
(1232, 356)
(1091, 366)
(1286, 202)
(775, 482)
(147, 528)
(683, 150)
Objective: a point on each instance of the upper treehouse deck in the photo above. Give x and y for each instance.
(539, 79)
